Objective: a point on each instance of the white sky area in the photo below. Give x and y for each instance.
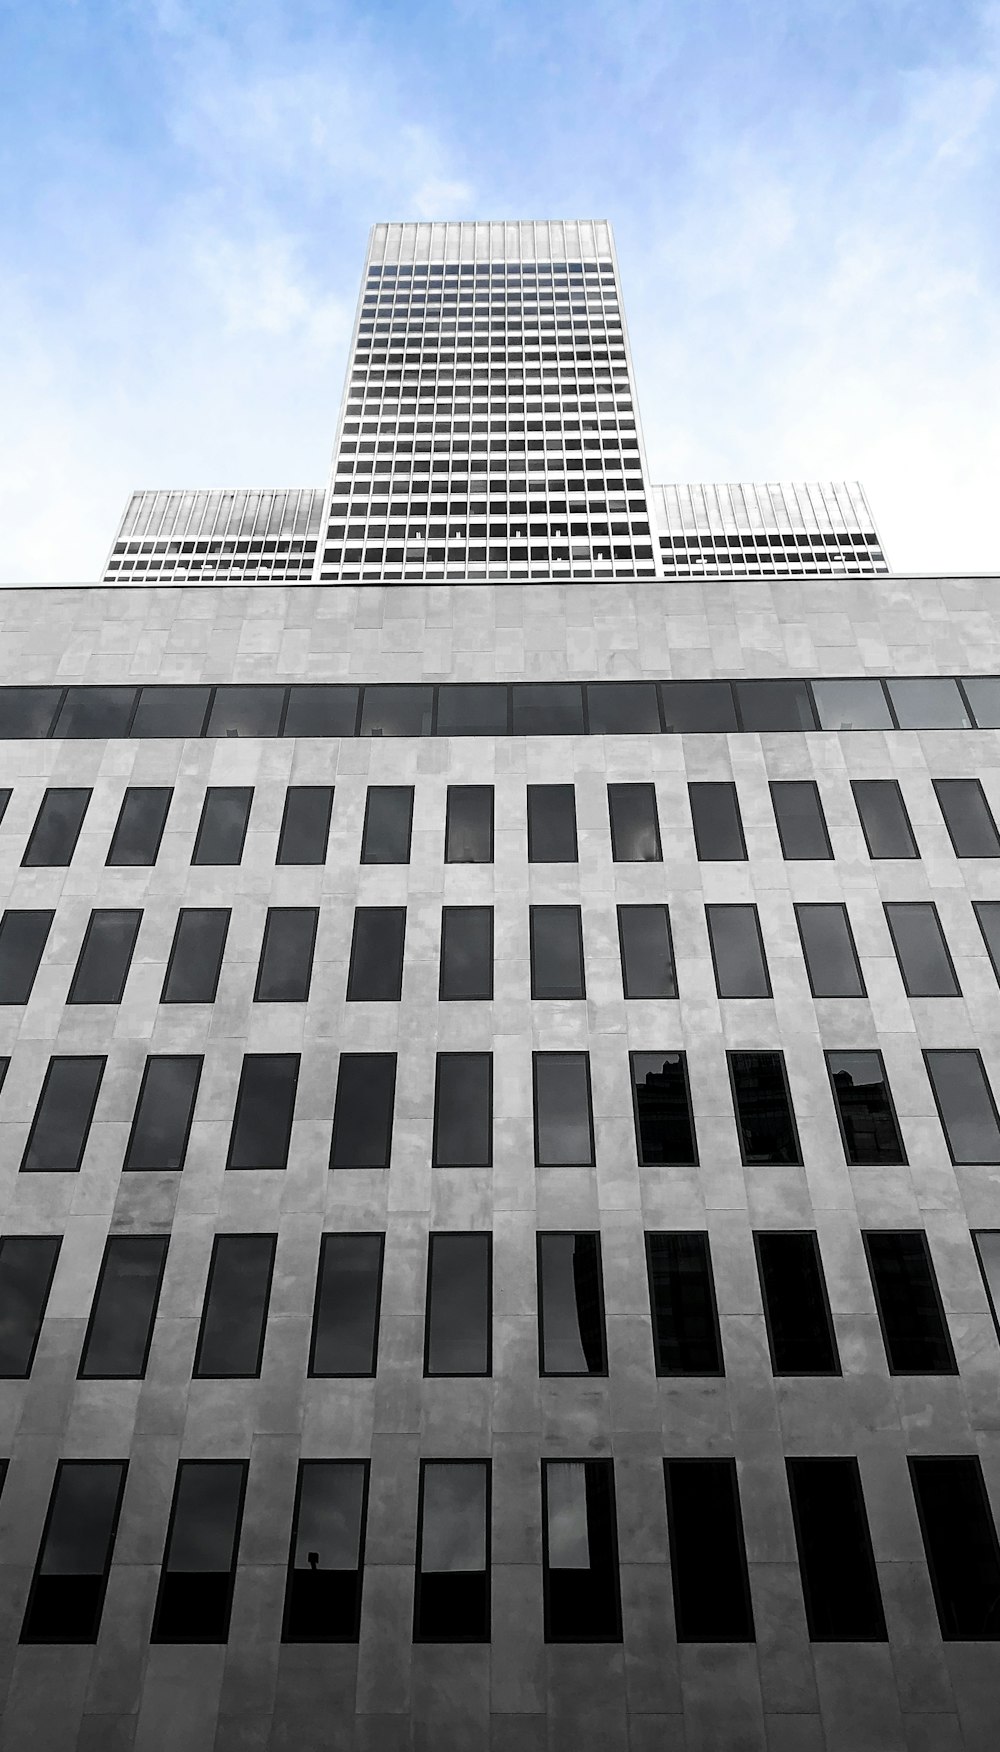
(804, 198)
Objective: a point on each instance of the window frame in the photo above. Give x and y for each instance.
(462, 1054)
(545, 1374)
(430, 1374)
(560, 1053)
(606, 1462)
(938, 785)
(366, 1167)
(775, 1052)
(91, 1058)
(314, 863)
(271, 1168)
(878, 857)
(780, 1374)
(197, 1373)
(718, 1374)
(485, 997)
(43, 1300)
(182, 912)
(25, 1638)
(888, 907)
(231, 863)
(29, 863)
(801, 906)
(303, 1464)
(952, 1051)
(774, 786)
(894, 1372)
(101, 1375)
(303, 997)
(649, 788)
(792, 1463)
(154, 1635)
(32, 912)
(828, 1054)
(701, 785)
(531, 788)
(450, 791)
(363, 858)
(740, 906)
(419, 1637)
(560, 997)
(312, 1373)
(136, 914)
(663, 908)
(113, 863)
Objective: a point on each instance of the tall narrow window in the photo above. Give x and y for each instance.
(120, 1330)
(580, 1552)
(661, 1100)
(57, 828)
(971, 827)
(798, 815)
(195, 1594)
(737, 952)
(286, 955)
(345, 1317)
(571, 1337)
(836, 1561)
(466, 953)
(326, 1561)
(988, 917)
(27, 1267)
(223, 826)
(5, 796)
(707, 1555)
(965, 1105)
(71, 1576)
(468, 834)
(105, 958)
(647, 952)
(265, 1103)
(564, 1120)
(388, 821)
(305, 824)
(867, 1117)
(231, 1339)
(828, 947)
(884, 821)
(718, 827)
(375, 974)
(452, 1602)
(635, 826)
(23, 936)
(796, 1309)
(362, 1116)
(909, 1303)
(192, 975)
(764, 1117)
(556, 952)
(987, 1245)
(552, 824)
(61, 1126)
(682, 1303)
(960, 1540)
(141, 821)
(458, 1319)
(921, 950)
(463, 1110)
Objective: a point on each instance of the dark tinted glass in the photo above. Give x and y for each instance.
(988, 914)
(57, 828)
(909, 1306)
(23, 936)
(105, 958)
(362, 1119)
(463, 1110)
(664, 1124)
(851, 705)
(552, 824)
(618, 708)
(707, 1556)
(987, 1244)
(5, 796)
(466, 952)
(828, 947)
(548, 708)
(961, 1545)
(68, 1586)
(286, 955)
(457, 1337)
(774, 705)
(196, 1583)
(27, 711)
(452, 1597)
(472, 711)
(95, 711)
(223, 826)
(682, 1304)
(305, 825)
(635, 827)
(321, 711)
(564, 1125)
(468, 834)
(839, 1582)
(983, 695)
(801, 824)
(570, 1306)
(397, 711)
(27, 1264)
(764, 1117)
(170, 711)
(262, 1124)
(388, 815)
(698, 706)
(345, 1319)
(921, 949)
(580, 1552)
(323, 1593)
(718, 829)
(62, 1119)
(246, 711)
(799, 1328)
(231, 1340)
(737, 952)
(928, 703)
(967, 818)
(965, 1105)
(556, 952)
(195, 963)
(864, 1107)
(163, 1113)
(884, 821)
(140, 825)
(121, 1319)
(647, 952)
(376, 971)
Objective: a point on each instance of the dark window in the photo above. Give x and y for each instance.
(468, 834)
(909, 1305)
(855, 704)
(452, 1598)
(983, 695)
(548, 708)
(345, 1318)
(987, 1244)
(396, 711)
(967, 817)
(58, 1135)
(774, 705)
(707, 1555)
(326, 1561)
(571, 1338)
(556, 952)
(965, 1105)
(458, 1318)
(682, 1303)
(472, 711)
(463, 1110)
(199, 1565)
(57, 828)
(223, 826)
(661, 1099)
(580, 1552)
(27, 1267)
(796, 1310)
(246, 711)
(617, 708)
(884, 821)
(163, 1113)
(388, 818)
(828, 948)
(764, 1117)
(71, 1575)
(564, 1121)
(305, 824)
(552, 824)
(362, 1117)
(839, 1581)
(170, 711)
(698, 706)
(867, 1118)
(635, 827)
(286, 955)
(231, 1339)
(737, 952)
(5, 796)
(928, 703)
(718, 829)
(798, 814)
(320, 710)
(466, 953)
(988, 914)
(647, 952)
(961, 1545)
(192, 975)
(23, 936)
(95, 712)
(921, 950)
(27, 711)
(140, 826)
(265, 1102)
(376, 971)
(105, 958)
(121, 1320)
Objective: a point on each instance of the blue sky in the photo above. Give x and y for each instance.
(804, 195)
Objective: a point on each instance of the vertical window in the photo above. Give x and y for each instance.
(867, 1117)
(707, 1556)
(661, 1101)
(552, 824)
(195, 1594)
(737, 952)
(362, 1116)
(457, 1336)
(23, 936)
(828, 947)
(468, 834)
(836, 1561)
(682, 1304)
(141, 821)
(965, 1105)
(718, 828)
(921, 950)
(57, 828)
(231, 1339)
(798, 815)
(388, 820)
(564, 1120)
(345, 1317)
(647, 952)
(192, 975)
(27, 1267)
(764, 1117)
(305, 824)
(375, 974)
(463, 1110)
(960, 1541)
(265, 1102)
(105, 958)
(326, 1561)
(580, 1552)
(967, 817)
(223, 826)
(286, 955)
(556, 952)
(796, 1309)
(5, 796)
(59, 1130)
(466, 953)
(71, 1576)
(571, 1337)
(884, 821)
(635, 827)
(120, 1331)
(909, 1304)
(988, 916)
(452, 1600)
(987, 1244)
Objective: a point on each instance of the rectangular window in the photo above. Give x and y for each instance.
(647, 952)
(930, 702)
(764, 1117)
(305, 824)
(120, 1331)
(27, 711)
(635, 826)
(967, 817)
(59, 1130)
(836, 1561)
(195, 1594)
(682, 1304)
(463, 1110)
(5, 796)
(105, 958)
(466, 953)
(163, 1113)
(564, 1120)
(960, 1541)
(316, 709)
(737, 952)
(23, 936)
(345, 1317)
(464, 710)
(57, 828)
(233, 1320)
(375, 974)
(223, 826)
(718, 827)
(170, 711)
(988, 917)
(388, 821)
(95, 712)
(622, 708)
(246, 711)
(868, 1123)
(921, 950)
(27, 1267)
(556, 934)
(265, 1102)
(552, 824)
(396, 711)
(987, 1245)
(828, 948)
(326, 1561)
(798, 815)
(774, 705)
(909, 1304)
(457, 1335)
(452, 1597)
(884, 821)
(468, 834)
(548, 709)
(362, 1116)
(66, 1598)
(195, 963)
(661, 1101)
(141, 821)
(796, 1309)
(571, 1339)
(580, 1552)
(698, 707)
(855, 704)
(707, 1555)
(286, 955)
(965, 1105)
